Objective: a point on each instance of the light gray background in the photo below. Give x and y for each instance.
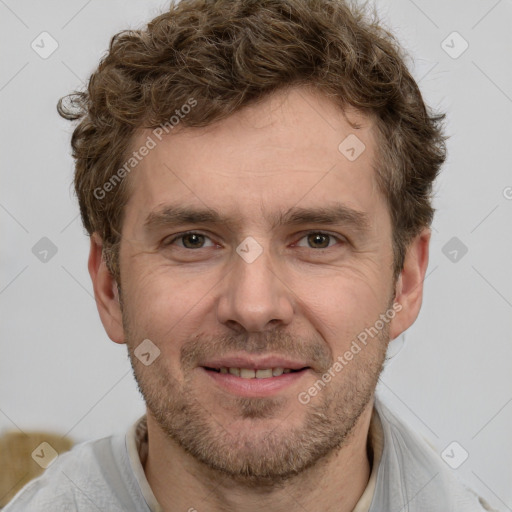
(452, 380)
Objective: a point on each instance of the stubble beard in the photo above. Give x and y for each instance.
(256, 455)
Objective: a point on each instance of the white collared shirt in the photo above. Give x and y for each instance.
(107, 474)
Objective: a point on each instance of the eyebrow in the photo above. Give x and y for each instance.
(337, 214)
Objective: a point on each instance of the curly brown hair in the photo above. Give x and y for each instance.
(227, 54)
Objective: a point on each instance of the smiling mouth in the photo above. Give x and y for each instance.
(248, 373)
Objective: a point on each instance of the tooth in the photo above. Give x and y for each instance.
(248, 373)
(264, 374)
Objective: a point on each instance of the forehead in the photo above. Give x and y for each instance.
(295, 148)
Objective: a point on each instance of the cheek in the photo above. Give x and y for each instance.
(340, 307)
(166, 306)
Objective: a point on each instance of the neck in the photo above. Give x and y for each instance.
(180, 482)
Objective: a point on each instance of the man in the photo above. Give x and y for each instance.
(255, 177)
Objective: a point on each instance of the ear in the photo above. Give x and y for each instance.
(105, 291)
(409, 285)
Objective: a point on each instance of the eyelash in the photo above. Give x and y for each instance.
(182, 235)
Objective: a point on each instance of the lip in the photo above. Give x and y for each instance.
(256, 388)
(254, 363)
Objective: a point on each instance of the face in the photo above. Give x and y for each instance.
(256, 244)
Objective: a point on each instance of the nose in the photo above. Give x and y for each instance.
(255, 297)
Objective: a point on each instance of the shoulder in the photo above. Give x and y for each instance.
(90, 477)
(412, 475)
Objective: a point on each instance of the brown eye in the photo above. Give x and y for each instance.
(190, 240)
(193, 240)
(319, 240)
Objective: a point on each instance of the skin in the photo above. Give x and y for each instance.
(210, 449)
